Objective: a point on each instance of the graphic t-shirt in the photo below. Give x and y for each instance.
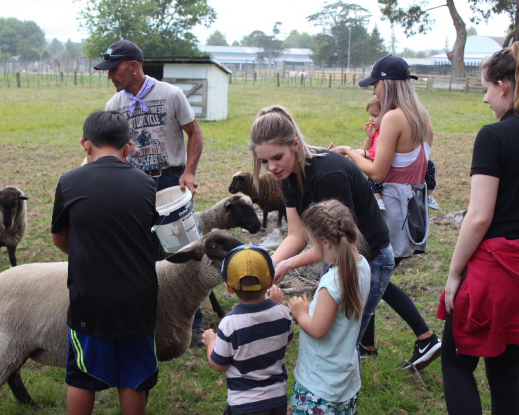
(157, 133)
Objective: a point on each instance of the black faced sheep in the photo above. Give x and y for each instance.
(231, 212)
(13, 209)
(34, 300)
(269, 197)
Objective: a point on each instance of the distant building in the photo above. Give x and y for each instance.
(476, 48)
(237, 58)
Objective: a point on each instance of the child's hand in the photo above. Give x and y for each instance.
(341, 149)
(208, 337)
(298, 306)
(370, 130)
(276, 294)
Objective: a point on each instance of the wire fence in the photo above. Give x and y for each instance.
(80, 73)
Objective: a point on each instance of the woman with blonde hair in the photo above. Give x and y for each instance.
(480, 301)
(400, 163)
(310, 175)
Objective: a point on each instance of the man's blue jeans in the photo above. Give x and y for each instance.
(381, 270)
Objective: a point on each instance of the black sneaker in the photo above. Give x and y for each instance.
(196, 337)
(425, 351)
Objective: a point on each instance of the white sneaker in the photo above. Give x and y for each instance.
(381, 204)
(431, 202)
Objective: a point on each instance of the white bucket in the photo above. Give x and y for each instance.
(177, 225)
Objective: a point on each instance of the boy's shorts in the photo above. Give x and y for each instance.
(95, 363)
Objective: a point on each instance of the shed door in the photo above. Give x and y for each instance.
(196, 93)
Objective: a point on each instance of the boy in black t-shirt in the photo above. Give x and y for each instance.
(103, 212)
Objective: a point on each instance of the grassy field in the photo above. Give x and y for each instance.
(39, 133)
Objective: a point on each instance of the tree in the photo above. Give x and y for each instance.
(216, 39)
(417, 19)
(27, 52)
(55, 48)
(272, 47)
(14, 34)
(511, 7)
(73, 50)
(471, 31)
(337, 20)
(235, 43)
(297, 40)
(158, 27)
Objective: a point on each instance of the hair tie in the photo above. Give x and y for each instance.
(266, 112)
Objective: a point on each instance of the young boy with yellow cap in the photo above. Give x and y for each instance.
(251, 341)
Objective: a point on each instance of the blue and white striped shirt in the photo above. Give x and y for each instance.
(252, 339)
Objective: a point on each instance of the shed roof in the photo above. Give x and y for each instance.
(187, 59)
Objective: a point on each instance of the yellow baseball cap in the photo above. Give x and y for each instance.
(248, 260)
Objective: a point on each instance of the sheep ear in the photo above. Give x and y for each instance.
(255, 200)
(228, 204)
(194, 251)
(22, 198)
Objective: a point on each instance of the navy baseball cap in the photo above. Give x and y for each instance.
(122, 50)
(388, 67)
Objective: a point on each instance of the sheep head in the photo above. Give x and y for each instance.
(243, 212)
(10, 204)
(215, 245)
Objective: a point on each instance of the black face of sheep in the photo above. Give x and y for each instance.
(244, 214)
(233, 187)
(216, 246)
(10, 205)
(14, 221)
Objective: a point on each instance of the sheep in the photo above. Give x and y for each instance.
(13, 207)
(269, 197)
(34, 300)
(231, 212)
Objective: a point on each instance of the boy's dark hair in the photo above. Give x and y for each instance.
(107, 128)
(248, 281)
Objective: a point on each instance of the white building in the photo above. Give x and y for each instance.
(476, 48)
(238, 57)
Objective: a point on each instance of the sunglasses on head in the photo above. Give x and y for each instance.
(108, 57)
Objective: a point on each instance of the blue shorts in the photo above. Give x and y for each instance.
(96, 364)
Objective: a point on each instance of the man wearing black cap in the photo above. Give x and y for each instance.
(158, 114)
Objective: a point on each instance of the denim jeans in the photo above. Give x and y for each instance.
(381, 270)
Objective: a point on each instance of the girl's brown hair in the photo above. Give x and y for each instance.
(334, 222)
(504, 66)
(374, 102)
(275, 125)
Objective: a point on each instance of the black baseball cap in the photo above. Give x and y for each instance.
(388, 67)
(122, 50)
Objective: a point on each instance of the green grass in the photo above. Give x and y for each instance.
(39, 133)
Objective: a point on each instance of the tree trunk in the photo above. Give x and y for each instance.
(514, 34)
(458, 50)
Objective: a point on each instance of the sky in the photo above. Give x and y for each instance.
(236, 18)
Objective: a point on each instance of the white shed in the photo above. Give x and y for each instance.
(204, 81)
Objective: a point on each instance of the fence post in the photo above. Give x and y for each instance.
(353, 81)
(467, 84)
(277, 76)
(18, 79)
(75, 77)
(342, 75)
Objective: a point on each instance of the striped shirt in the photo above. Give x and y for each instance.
(252, 340)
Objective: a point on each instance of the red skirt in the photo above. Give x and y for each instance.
(486, 309)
